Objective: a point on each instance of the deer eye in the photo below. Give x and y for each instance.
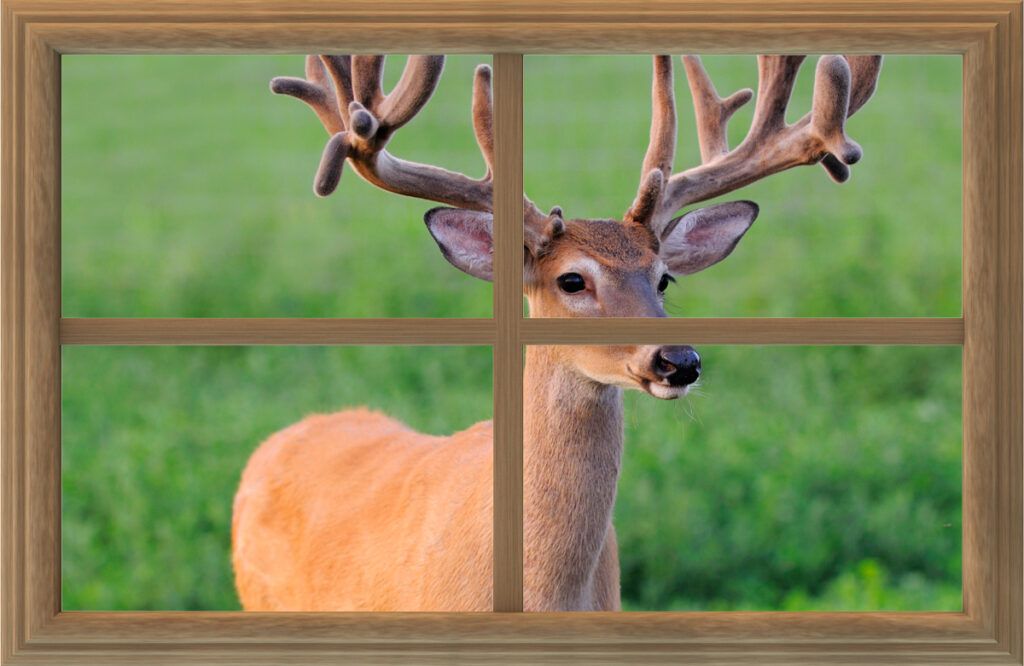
(571, 283)
(663, 284)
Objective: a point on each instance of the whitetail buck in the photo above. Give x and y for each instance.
(355, 511)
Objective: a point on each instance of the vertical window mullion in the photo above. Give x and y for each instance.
(508, 314)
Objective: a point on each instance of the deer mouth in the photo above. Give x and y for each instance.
(665, 391)
(658, 388)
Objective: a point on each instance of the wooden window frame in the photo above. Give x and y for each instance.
(986, 33)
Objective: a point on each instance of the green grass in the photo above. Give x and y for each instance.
(155, 440)
(798, 478)
(789, 470)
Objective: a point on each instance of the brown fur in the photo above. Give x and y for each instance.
(355, 511)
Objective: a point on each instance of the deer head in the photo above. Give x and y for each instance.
(596, 267)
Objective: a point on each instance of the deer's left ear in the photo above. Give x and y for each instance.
(705, 236)
(464, 237)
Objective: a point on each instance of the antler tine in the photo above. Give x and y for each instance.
(483, 116)
(661, 147)
(842, 86)
(361, 121)
(775, 78)
(829, 107)
(313, 92)
(328, 174)
(711, 112)
(415, 87)
(538, 229)
(339, 68)
(864, 71)
(315, 72)
(367, 78)
(648, 197)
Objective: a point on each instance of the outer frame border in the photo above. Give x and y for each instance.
(988, 36)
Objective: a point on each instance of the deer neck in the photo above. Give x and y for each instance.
(572, 451)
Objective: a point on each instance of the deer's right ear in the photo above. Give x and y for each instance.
(464, 237)
(705, 236)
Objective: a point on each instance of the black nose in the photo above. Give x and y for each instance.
(679, 365)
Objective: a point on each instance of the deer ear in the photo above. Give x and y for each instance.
(464, 237)
(705, 236)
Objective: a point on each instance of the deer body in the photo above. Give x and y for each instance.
(375, 509)
(352, 512)
(572, 453)
(355, 511)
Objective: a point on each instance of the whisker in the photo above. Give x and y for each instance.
(688, 407)
(674, 309)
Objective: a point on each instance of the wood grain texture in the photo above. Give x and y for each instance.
(979, 320)
(1008, 573)
(875, 331)
(682, 36)
(42, 340)
(508, 352)
(992, 359)
(533, 638)
(583, 12)
(745, 331)
(677, 628)
(987, 33)
(530, 26)
(13, 481)
(276, 331)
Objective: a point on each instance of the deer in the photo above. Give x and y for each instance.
(354, 510)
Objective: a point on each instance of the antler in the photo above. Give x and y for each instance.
(346, 94)
(843, 84)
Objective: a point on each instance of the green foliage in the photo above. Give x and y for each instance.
(870, 587)
(790, 467)
(154, 441)
(796, 478)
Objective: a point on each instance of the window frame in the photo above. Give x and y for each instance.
(988, 36)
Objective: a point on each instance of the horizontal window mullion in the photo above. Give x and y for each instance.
(373, 331)
(753, 331)
(274, 331)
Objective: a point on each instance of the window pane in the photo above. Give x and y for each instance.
(187, 191)
(339, 510)
(885, 243)
(789, 478)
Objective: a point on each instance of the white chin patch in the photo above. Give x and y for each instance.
(666, 392)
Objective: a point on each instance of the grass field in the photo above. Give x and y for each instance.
(798, 478)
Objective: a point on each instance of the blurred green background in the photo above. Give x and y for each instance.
(796, 478)
(188, 192)
(155, 439)
(885, 243)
